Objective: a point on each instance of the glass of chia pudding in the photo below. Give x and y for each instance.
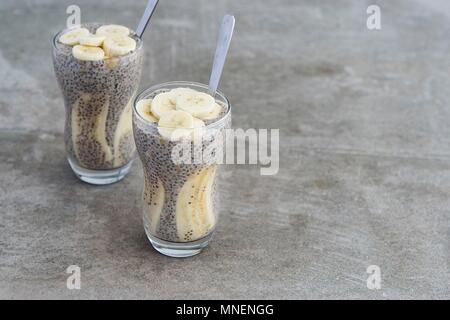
(179, 134)
(98, 68)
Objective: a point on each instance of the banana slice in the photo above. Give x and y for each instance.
(86, 53)
(143, 107)
(118, 45)
(175, 124)
(153, 199)
(161, 104)
(194, 214)
(196, 103)
(112, 30)
(214, 114)
(175, 93)
(92, 40)
(72, 37)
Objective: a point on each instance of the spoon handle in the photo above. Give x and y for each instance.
(223, 43)
(151, 5)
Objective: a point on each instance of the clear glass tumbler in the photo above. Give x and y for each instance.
(98, 98)
(180, 196)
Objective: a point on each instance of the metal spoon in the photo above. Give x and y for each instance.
(151, 6)
(223, 43)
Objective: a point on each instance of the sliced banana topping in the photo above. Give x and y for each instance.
(112, 30)
(217, 109)
(196, 103)
(113, 39)
(87, 53)
(72, 37)
(177, 92)
(161, 104)
(175, 124)
(201, 106)
(143, 107)
(92, 40)
(118, 45)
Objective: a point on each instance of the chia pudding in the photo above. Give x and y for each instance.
(98, 78)
(180, 170)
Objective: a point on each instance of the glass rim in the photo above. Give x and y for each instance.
(139, 41)
(146, 92)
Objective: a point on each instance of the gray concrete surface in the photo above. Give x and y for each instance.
(365, 155)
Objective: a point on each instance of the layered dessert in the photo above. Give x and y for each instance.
(179, 197)
(98, 68)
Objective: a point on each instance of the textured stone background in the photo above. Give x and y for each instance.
(365, 155)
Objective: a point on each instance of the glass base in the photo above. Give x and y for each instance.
(178, 249)
(100, 177)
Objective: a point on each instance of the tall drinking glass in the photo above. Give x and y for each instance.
(98, 99)
(181, 168)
